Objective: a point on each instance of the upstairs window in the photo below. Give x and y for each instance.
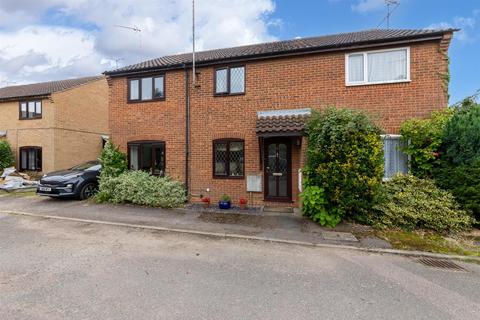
(30, 110)
(230, 80)
(375, 67)
(146, 89)
(30, 159)
(228, 158)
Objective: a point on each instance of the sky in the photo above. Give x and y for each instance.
(43, 40)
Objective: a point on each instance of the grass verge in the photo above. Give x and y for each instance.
(429, 242)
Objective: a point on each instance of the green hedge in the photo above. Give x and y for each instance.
(410, 203)
(6, 155)
(461, 137)
(345, 159)
(138, 187)
(113, 161)
(424, 137)
(463, 182)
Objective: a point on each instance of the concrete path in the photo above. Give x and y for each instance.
(52, 269)
(281, 227)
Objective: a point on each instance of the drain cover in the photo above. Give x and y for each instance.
(441, 264)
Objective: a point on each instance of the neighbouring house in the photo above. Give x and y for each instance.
(236, 128)
(55, 125)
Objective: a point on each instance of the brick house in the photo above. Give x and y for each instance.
(237, 129)
(55, 125)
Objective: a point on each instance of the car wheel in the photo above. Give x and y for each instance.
(88, 191)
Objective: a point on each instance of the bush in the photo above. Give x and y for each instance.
(410, 203)
(424, 137)
(138, 187)
(313, 206)
(463, 182)
(345, 159)
(461, 141)
(113, 161)
(6, 155)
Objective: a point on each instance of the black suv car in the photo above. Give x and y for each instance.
(78, 182)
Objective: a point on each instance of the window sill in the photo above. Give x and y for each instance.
(229, 177)
(35, 118)
(376, 83)
(145, 101)
(228, 94)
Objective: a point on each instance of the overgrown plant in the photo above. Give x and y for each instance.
(6, 155)
(113, 161)
(411, 203)
(138, 187)
(314, 206)
(424, 138)
(344, 159)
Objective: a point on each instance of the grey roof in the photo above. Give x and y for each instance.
(329, 42)
(43, 88)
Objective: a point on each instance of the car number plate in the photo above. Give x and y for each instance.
(47, 189)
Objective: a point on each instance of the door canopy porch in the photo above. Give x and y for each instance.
(282, 123)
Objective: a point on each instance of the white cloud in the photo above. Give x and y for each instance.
(66, 48)
(368, 5)
(468, 27)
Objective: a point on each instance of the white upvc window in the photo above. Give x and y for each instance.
(396, 161)
(376, 67)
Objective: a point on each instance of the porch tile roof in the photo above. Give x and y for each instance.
(282, 122)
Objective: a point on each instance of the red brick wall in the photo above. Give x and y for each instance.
(312, 81)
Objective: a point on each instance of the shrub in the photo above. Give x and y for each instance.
(313, 206)
(113, 161)
(461, 140)
(410, 203)
(345, 159)
(138, 187)
(6, 155)
(463, 182)
(424, 137)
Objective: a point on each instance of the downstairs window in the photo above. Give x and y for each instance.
(30, 159)
(147, 156)
(396, 161)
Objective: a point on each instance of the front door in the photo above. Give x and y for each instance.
(277, 169)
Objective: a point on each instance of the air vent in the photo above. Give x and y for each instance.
(441, 264)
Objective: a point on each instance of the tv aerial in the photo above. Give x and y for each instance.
(392, 5)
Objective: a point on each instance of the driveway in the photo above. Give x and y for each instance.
(51, 269)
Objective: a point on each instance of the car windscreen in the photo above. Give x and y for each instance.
(87, 166)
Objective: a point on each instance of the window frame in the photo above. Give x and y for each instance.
(365, 81)
(38, 158)
(139, 79)
(152, 143)
(228, 93)
(227, 160)
(36, 115)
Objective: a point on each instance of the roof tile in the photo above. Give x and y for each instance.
(342, 40)
(43, 88)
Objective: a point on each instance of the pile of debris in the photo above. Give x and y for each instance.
(11, 180)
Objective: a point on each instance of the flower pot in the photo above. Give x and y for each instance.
(224, 204)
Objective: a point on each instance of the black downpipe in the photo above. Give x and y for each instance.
(187, 130)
